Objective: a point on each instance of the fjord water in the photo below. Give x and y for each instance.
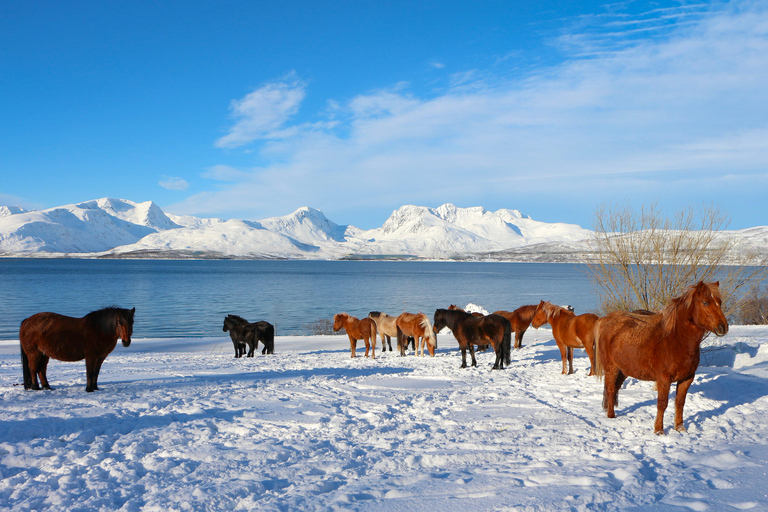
(179, 298)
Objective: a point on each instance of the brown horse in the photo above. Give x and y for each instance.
(93, 337)
(454, 307)
(357, 329)
(418, 327)
(661, 347)
(569, 330)
(520, 320)
(469, 330)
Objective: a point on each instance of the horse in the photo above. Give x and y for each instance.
(241, 332)
(357, 329)
(663, 347)
(469, 330)
(387, 327)
(418, 327)
(452, 307)
(49, 335)
(520, 320)
(569, 330)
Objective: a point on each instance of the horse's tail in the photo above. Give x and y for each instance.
(269, 338)
(402, 339)
(599, 371)
(506, 342)
(25, 369)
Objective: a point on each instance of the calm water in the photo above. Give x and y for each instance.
(191, 298)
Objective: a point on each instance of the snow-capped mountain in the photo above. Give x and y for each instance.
(122, 228)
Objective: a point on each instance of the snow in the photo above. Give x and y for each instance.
(111, 226)
(180, 424)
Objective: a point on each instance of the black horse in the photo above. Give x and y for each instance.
(242, 332)
(469, 330)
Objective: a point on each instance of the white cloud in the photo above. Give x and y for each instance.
(685, 106)
(262, 113)
(172, 183)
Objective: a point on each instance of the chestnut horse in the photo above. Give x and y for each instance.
(469, 330)
(357, 329)
(93, 337)
(418, 327)
(569, 330)
(661, 347)
(520, 320)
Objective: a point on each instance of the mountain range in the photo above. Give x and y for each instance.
(121, 228)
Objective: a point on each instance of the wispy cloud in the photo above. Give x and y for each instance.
(643, 115)
(263, 113)
(172, 183)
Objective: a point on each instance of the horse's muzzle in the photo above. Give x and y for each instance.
(721, 330)
(127, 343)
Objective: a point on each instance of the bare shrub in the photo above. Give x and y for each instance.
(321, 326)
(753, 308)
(643, 259)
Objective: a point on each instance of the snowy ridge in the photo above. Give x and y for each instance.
(123, 228)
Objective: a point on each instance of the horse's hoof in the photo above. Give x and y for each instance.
(659, 432)
(681, 428)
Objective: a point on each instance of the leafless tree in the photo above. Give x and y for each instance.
(641, 260)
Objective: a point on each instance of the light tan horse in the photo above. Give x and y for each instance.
(357, 329)
(419, 327)
(569, 330)
(387, 327)
(663, 347)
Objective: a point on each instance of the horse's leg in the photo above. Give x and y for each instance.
(463, 356)
(614, 378)
(352, 345)
(92, 366)
(34, 360)
(367, 341)
(43, 371)
(661, 406)
(519, 338)
(563, 356)
(389, 342)
(569, 351)
(682, 392)
(472, 353)
(264, 350)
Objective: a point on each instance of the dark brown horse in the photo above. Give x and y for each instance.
(92, 338)
(243, 332)
(357, 329)
(469, 330)
(569, 330)
(416, 326)
(661, 347)
(520, 320)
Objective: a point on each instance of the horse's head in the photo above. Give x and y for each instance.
(338, 321)
(706, 305)
(429, 334)
(125, 325)
(540, 315)
(439, 321)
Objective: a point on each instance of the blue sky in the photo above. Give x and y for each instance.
(253, 109)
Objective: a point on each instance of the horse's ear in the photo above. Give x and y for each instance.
(133, 311)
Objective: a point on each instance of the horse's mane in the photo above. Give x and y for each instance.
(525, 313)
(238, 319)
(431, 339)
(105, 319)
(683, 302)
(554, 311)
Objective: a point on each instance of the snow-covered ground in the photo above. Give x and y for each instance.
(181, 425)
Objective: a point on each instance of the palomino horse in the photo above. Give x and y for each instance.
(520, 320)
(569, 330)
(357, 329)
(418, 327)
(661, 347)
(93, 337)
(387, 327)
(472, 330)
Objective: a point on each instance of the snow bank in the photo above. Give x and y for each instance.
(182, 425)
